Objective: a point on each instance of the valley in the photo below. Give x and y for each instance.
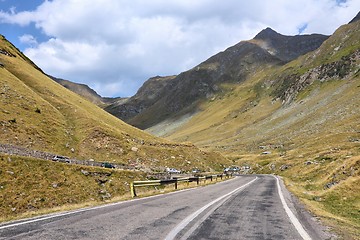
(283, 105)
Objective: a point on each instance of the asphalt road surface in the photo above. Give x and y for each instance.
(247, 207)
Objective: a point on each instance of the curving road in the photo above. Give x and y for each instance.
(247, 207)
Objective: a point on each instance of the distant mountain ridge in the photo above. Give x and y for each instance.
(162, 97)
(86, 92)
(180, 95)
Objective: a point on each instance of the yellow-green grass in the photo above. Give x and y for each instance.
(338, 204)
(31, 186)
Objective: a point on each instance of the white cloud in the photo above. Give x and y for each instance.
(115, 45)
(22, 18)
(28, 39)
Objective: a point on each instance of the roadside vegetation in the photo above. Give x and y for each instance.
(31, 186)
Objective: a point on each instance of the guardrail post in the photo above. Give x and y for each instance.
(132, 190)
(197, 181)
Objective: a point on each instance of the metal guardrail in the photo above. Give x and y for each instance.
(174, 181)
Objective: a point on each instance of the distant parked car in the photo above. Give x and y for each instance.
(172, 170)
(107, 165)
(59, 158)
(235, 169)
(231, 169)
(195, 170)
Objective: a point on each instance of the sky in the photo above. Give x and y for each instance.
(114, 46)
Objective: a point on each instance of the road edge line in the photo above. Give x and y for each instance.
(44, 217)
(294, 220)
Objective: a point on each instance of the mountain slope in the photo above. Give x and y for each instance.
(181, 95)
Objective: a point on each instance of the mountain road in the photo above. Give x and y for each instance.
(246, 207)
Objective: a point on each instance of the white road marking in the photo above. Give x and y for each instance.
(55, 215)
(291, 215)
(191, 217)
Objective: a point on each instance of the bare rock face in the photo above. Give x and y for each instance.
(288, 48)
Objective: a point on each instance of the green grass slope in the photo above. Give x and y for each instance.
(301, 121)
(39, 114)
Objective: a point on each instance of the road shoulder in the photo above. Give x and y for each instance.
(313, 226)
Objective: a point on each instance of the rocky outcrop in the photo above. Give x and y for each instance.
(291, 85)
(337, 59)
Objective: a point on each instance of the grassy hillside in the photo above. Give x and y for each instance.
(301, 121)
(30, 186)
(39, 114)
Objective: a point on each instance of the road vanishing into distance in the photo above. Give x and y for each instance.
(246, 207)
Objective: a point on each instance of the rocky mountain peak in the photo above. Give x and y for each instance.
(267, 33)
(287, 48)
